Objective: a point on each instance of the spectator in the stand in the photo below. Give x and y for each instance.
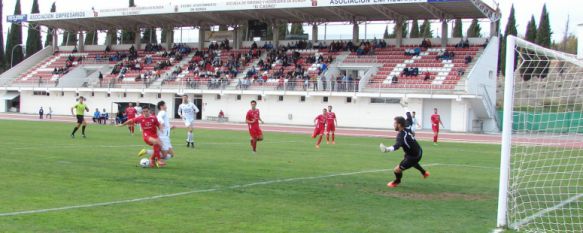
(426, 43)
(107, 48)
(74, 49)
(427, 76)
(41, 112)
(468, 59)
(119, 119)
(461, 71)
(395, 79)
(96, 116)
(55, 71)
(100, 77)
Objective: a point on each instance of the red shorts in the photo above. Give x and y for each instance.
(330, 127)
(318, 131)
(435, 128)
(132, 122)
(147, 136)
(255, 132)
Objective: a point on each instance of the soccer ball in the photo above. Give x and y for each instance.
(168, 156)
(144, 163)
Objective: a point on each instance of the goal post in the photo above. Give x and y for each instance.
(541, 165)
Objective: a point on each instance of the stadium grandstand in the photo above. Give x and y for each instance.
(294, 77)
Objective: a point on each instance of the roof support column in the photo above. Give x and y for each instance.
(201, 32)
(444, 32)
(399, 32)
(240, 34)
(137, 39)
(169, 37)
(493, 28)
(314, 34)
(81, 42)
(236, 36)
(355, 31)
(275, 30)
(55, 41)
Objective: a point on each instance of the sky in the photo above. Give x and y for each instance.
(559, 10)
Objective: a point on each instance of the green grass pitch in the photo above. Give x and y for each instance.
(288, 186)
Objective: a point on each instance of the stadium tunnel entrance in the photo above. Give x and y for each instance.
(11, 101)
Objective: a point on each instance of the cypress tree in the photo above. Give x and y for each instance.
(458, 29)
(386, 34)
(2, 60)
(530, 34)
(146, 36)
(91, 38)
(296, 29)
(474, 30)
(128, 36)
(69, 38)
(510, 30)
(543, 35)
(33, 41)
(414, 30)
(283, 30)
(49, 38)
(15, 38)
(426, 31)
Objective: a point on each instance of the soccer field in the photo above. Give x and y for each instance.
(52, 183)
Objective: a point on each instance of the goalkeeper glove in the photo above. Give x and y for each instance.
(386, 149)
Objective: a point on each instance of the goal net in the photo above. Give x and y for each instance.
(541, 175)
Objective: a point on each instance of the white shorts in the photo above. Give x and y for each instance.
(166, 145)
(188, 122)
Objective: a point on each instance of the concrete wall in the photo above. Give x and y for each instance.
(61, 104)
(580, 41)
(456, 115)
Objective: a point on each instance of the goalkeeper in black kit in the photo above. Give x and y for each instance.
(413, 151)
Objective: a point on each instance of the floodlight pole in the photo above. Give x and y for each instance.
(12, 53)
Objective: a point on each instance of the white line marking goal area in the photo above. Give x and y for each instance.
(195, 191)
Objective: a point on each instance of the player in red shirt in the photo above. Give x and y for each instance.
(150, 126)
(320, 123)
(435, 122)
(131, 114)
(253, 118)
(330, 125)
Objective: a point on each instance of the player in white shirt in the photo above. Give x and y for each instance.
(187, 111)
(164, 133)
(138, 113)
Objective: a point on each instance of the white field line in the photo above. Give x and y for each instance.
(142, 199)
(545, 211)
(120, 146)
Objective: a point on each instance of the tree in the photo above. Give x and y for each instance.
(568, 45)
(2, 60)
(14, 39)
(91, 38)
(69, 38)
(543, 35)
(129, 36)
(530, 34)
(425, 30)
(33, 41)
(166, 32)
(474, 30)
(510, 30)
(458, 29)
(296, 29)
(415, 30)
(404, 31)
(150, 36)
(386, 34)
(49, 38)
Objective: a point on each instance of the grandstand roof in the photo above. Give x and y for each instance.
(232, 12)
